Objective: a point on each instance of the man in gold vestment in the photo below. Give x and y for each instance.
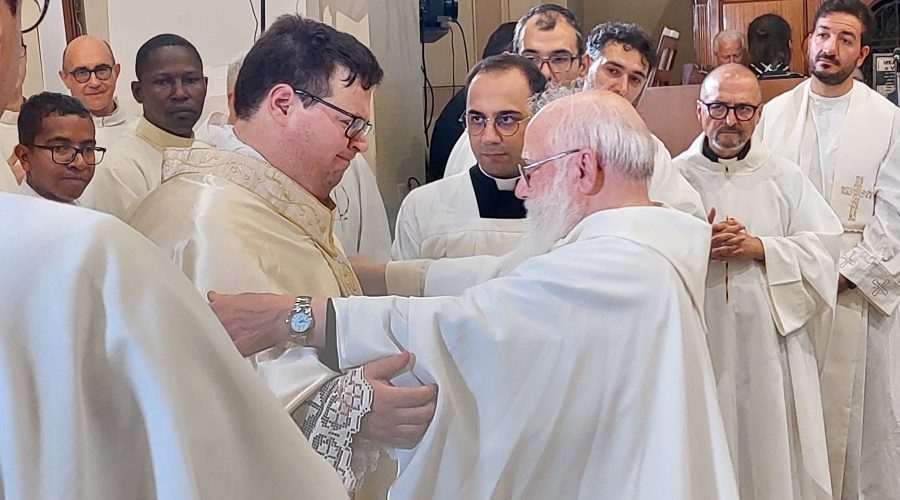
(254, 212)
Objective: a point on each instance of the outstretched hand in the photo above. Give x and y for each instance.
(255, 321)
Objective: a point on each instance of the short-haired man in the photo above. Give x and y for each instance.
(729, 47)
(90, 72)
(477, 212)
(255, 212)
(770, 291)
(622, 55)
(582, 374)
(57, 147)
(361, 224)
(171, 88)
(846, 139)
(549, 36)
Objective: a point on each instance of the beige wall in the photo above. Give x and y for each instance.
(653, 16)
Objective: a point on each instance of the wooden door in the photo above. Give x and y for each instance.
(713, 16)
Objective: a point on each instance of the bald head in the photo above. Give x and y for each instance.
(729, 108)
(733, 76)
(90, 73)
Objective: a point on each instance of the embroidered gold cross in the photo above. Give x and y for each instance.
(880, 288)
(855, 193)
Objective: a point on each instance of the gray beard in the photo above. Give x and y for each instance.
(550, 218)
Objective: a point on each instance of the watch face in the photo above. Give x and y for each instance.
(300, 322)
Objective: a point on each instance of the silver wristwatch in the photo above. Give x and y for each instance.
(300, 320)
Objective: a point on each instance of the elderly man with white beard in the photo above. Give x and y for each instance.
(527, 373)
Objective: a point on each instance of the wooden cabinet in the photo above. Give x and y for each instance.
(713, 16)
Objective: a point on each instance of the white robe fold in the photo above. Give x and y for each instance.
(109, 129)
(442, 219)
(762, 319)
(583, 374)
(131, 169)
(860, 363)
(117, 381)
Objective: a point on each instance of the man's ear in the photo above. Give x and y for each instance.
(137, 91)
(590, 173)
(22, 154)
(586, 62)
(117, 69)
(62, 76)
(279, 102)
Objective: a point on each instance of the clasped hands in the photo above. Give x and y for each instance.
(400, 415)
(730, 241)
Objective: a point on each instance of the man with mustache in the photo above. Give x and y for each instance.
(57, 147)
(90, 72)
(477, 212)
(171, 88)
(770, 289)
(846, 139)
(582, 374)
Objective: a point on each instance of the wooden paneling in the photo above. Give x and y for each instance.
(702, 38)
(738, 15)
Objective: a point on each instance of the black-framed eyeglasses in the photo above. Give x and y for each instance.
(526, 171)
(719, 110)
(82, 74)
(65, 155)
(40, 18)
(505, 124)
(559, 63)
(358, 125)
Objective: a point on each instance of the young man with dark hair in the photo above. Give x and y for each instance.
(622, 55)
(769, 38)
(57, 147)
(171, 88)
(255, 212)
(846, 139)
(477, 212)
(550, 37)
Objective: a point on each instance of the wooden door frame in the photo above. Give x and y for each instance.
(73, 18)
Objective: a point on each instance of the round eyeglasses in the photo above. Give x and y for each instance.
(505, 124)
(719, 110)
(83, 75)
(65, 155)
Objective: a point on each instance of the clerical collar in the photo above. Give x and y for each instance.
(713, 157)
(159, 138)
(117, 117)
(496, 198)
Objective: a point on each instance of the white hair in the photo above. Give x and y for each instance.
(234, 68)
(728, 36)
(618, 144)
(553, 92)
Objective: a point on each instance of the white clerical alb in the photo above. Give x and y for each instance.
(454, 217)
(118, 381)
(131, 169)
(762, 319)
(109, 129)
(582, 374)
(859, 364)
(826, 115)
